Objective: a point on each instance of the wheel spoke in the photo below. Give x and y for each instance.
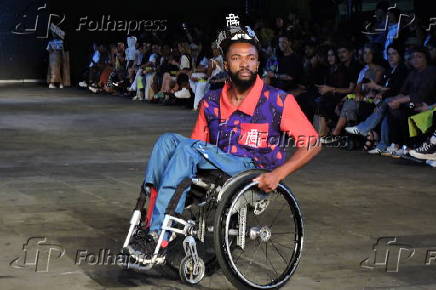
(284, 246)
(255, 251)
(237, 259)
(277, 215)
(268, 260)
(280, 254)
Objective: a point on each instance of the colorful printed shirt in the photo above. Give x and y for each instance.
(258, 128)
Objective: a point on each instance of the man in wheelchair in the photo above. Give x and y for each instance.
(238, 128)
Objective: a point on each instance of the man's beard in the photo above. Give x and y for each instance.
(242, 85)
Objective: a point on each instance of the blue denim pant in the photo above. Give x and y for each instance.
(379, 115)
(174, 158)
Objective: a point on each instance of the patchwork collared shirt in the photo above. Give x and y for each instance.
(258, 128)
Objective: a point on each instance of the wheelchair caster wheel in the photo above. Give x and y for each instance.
(189, 273)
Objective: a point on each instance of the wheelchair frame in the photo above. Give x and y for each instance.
(214, 194)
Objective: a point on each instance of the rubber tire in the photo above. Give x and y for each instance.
(218, 239)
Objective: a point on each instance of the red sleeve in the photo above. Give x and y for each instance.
(201, 128)
(296, 125)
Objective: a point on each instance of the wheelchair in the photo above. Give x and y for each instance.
(256, 238)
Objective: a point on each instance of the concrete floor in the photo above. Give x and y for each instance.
(71, 164)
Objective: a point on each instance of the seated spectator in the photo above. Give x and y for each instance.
(331, 91)
(98, 60)
(360, 104)
(150, 70)
(102, 85)
(139, 83)
(315, 74)
(170, 74)
(216, 72)
(185, 57)
(310, 48)
(181, 94)
(352, 68)
(117, 81)
(419, 89)
(393, 81)
(289, 70)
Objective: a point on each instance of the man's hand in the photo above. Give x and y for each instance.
(394, 104)
(285, 77)
(268, 181)
(372, 85)
(379, 96)
(323, 89)
(422, 107)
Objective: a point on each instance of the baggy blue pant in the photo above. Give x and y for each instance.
(174, 158)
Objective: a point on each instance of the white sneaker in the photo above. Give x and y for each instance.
(400, 152)
(375, 151)
(83, 84)
(51, 86)
(354, 130)
(390, 150)
(432, 163)
(61, 86)
(329, 139)
(135, 98)
(94, 90)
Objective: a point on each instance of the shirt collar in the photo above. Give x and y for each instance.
(250, 101)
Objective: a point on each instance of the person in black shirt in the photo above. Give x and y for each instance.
(290, 68)
(314, 75)
(349, 68)
(418, 91)
(335, 77)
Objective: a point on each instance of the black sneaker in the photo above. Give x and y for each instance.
(142, 246)
(425, 151)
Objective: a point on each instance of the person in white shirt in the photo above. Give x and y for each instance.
(131, 51)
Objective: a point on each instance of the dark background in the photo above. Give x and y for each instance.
(24, 56)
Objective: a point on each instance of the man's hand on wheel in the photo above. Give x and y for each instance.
(268, 181)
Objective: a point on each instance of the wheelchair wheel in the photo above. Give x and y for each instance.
(258, 236)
